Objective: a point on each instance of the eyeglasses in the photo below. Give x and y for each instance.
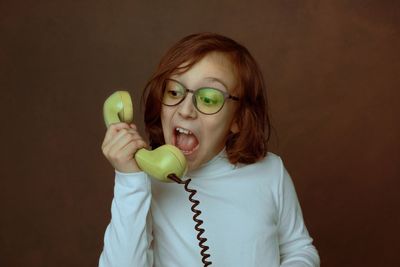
(207, 100)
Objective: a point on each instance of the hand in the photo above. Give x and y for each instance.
(120, 145)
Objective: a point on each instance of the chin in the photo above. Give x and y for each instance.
(192, 161)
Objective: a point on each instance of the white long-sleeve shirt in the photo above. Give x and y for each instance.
(251, 216)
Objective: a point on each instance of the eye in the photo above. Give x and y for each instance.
(210, 97)
(174, 92)
(208, 100)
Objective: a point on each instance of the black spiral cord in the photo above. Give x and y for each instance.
(198, 222)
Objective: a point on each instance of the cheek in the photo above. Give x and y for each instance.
(164, 123)
(166, 115)
(217, 131)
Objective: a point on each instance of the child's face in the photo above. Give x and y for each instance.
(208, 132)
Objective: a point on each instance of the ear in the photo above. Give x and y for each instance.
(234, 127)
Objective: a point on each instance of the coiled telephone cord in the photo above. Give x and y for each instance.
(198, 222)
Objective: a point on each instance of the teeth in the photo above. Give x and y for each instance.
(183, 131)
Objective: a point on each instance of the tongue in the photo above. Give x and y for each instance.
(186, 142)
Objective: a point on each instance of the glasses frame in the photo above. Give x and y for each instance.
(187, 90)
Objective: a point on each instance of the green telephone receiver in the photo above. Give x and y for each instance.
(159, 163)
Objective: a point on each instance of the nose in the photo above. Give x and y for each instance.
(186, 108)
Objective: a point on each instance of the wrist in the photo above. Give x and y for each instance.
(131, 179)
(132, 168)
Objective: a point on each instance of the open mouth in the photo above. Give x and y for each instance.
(185, 140)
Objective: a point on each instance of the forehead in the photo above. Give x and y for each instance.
(213, 67)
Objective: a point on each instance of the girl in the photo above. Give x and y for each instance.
(207, 98)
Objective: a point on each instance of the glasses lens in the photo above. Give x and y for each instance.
(173, 93)
(209, 100)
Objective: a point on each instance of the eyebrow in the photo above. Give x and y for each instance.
(213, 79)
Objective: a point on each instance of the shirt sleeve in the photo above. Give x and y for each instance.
(295, 244)
(128, 237)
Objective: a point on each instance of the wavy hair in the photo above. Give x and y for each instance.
(250, 143)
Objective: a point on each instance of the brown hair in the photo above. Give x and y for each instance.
(250, 143)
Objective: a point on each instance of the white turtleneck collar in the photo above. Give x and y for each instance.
(219, 164)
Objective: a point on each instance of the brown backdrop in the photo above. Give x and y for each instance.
(332, 73)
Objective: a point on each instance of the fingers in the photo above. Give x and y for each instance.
(121, 154)
(112, 130)
(122, 140)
